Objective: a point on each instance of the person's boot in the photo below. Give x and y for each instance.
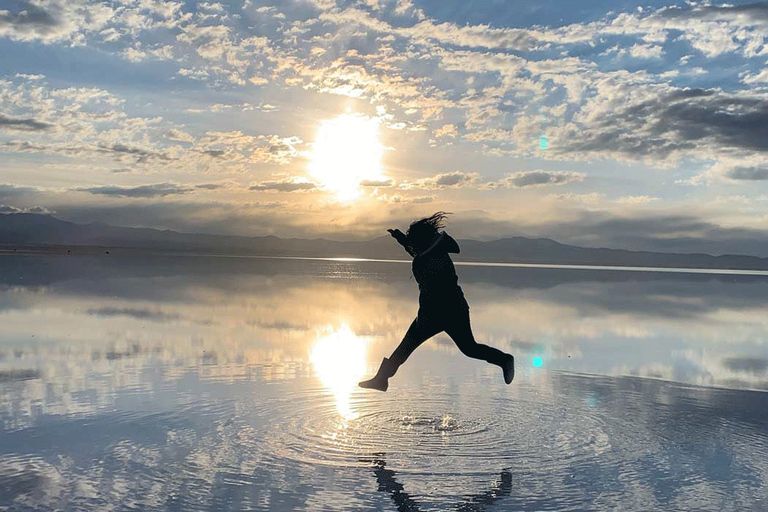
(509, 368)
(381, 380)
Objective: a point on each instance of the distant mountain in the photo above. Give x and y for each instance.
(44, 233)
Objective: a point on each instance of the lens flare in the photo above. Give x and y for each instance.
(339, 361)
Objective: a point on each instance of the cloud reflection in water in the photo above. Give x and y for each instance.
(187, 384)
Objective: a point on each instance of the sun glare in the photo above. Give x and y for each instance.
(347, 151)
(339, 362)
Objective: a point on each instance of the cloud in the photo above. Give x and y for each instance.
(118, 151)
(752, 13)
(443, 180)
(8, 191)
(231, 54)
(428, 31)
(143, 191)
(19, 197)
(215, 217)
(287, 185)
(730, 170)
(646, 51)
(51, 20)
(637, 200)
(683, 233)
(693, 122)
(757, 78)
(238, 147)
(754, 365)
(447, 130)
(536, 178)
(26, 76)
(138, 153)
(140, 314)
(591, 199)
(39, 210)
(29, 21)
(747, 173)
(452, 179)
(214, 186)
(89, 123)
(377, 183)
(134, 54)
(194, 74)
(398, 199)
(5, 209)
(26, 125)
(478, 36)
(179, 135)
(573, 220)
(521, 179)
(432, 78)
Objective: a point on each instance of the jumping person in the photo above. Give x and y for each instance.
(442, 306)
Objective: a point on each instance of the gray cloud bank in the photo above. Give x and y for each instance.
(525, 179)
(28, 125)
(144, 191)
(748, 173)
(676, 121)
(27, 18)
(284, 186)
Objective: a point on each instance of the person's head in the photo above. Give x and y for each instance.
(422, 232)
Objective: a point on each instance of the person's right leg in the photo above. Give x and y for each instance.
(419, 332)
(460, 330)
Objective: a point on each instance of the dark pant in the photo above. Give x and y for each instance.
(456, 324)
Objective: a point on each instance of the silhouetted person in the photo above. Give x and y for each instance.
(442, 306)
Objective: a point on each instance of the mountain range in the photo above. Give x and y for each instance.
(28, 232)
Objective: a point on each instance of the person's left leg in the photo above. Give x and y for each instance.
(460, 330)
(420, 331)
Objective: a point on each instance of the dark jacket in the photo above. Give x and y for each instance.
(434, 272)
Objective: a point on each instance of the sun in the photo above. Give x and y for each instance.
(347, 152)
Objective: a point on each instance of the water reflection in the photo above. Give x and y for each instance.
(184, 439)
(339, 361)
(387, 482)
(66, 318)
(193, 384)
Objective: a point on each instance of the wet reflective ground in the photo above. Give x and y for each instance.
(229, 384)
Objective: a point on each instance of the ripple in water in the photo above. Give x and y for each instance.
(565, 436)
(557, 443)
(475, 434)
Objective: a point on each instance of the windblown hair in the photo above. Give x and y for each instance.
(423, 231)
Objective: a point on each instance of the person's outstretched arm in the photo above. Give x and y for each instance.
(450, 244)
(400, 237)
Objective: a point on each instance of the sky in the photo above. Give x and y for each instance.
(617, 124)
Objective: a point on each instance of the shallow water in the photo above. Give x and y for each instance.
(219, 384)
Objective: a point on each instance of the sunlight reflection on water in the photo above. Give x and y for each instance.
(339, 361)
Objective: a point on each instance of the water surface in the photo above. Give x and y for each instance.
(170, 383)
